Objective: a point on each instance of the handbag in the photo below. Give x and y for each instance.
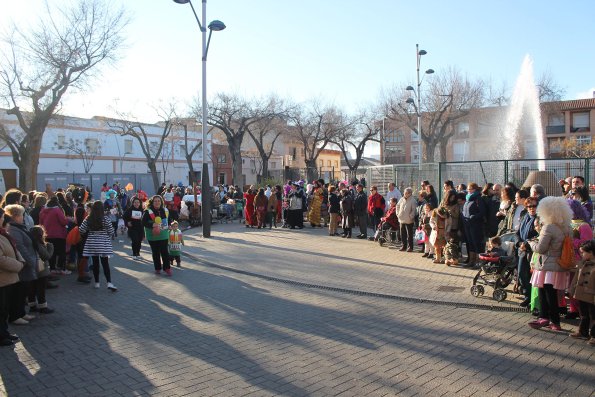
(420, 235)
(40, 265)
(74, 236)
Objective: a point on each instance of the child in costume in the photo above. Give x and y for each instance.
(176, 241)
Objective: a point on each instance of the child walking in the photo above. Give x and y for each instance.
(176, 241)
(36, 294)
(99, 230)
(583, 290)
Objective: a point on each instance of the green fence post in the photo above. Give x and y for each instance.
(587, 173)
(505, 172)
(439, 187)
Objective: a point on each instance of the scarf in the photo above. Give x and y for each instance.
(472, 196)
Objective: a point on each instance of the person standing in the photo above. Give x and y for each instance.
(133, 218)
(250, 215)
(525, 233)
(98, 246)
(295, 216)
(334, 209)
(260, 204)
(156, 223)
(315, 205)
(360, 211)
(406, 214)
(474, 212)
(54, 222)
(272, 205)
(11, 263)
(376, 205)
(583, 290)
(393, 192)
(347, 213)
(176, 241)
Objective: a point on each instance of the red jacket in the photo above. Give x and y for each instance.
(391, 217)
(54, 222)
(375, 201)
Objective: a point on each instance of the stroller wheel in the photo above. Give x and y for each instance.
(475, 291)
(381, 241)
(481, 290)
(499, 295)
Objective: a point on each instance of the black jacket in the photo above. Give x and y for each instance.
(360, 206)
(334, 204)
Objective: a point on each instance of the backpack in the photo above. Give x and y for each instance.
(566, 259)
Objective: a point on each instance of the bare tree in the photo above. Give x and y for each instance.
(450, 97)
(233, 115)
(355, 135)
(151, 144)
(267, 129)
(190, 149)
(314, 126)
(549, 89)
(40, 65)
(575, 148)
(87, 150)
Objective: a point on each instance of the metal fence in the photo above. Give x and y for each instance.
(546, 172)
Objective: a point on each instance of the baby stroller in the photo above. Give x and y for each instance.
(386, 237)
(496, 271)
(225, 212)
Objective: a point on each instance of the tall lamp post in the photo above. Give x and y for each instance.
(417, 93)
(205, 191)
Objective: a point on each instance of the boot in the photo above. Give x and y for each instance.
(471, 259)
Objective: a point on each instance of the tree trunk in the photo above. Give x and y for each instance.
(311, 171)
(265, 168)
(153, 168)
(236, 172)
(443, 152)
(191, 174)
(429, 152)
(30, 162)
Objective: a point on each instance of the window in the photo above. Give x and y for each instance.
(221, 158)
(336, 163)
(555, 145)
(222, 178)
(273, 165)
(61, 142)
(127, 146)
(460, 151)
(329, 163)
(462, 129)
(583, 140)
(293, 152)
(580, 122)
(321, 163)
(555, 124)
(414, 136)
(182, 149)
(92, 145)
(153, 146)
(253, 163)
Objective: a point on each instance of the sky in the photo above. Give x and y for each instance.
(343, 51)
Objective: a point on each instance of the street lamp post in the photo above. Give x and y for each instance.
(205, 191)
(418, 54)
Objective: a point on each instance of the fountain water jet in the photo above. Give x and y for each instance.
(524, 102)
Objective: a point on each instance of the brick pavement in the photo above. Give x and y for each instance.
(211, 332)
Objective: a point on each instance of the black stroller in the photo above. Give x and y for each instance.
(496, 271)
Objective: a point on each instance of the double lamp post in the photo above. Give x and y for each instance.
(417, 93)
(205, 182)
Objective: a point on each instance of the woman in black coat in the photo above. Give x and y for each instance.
(474, 212)
(133, 219)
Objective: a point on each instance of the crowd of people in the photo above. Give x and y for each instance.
(42, 232)
(65, 229)
(468, 218)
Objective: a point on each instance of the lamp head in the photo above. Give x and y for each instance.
(216, 25)
(421, 52)
(429, 71)
(181, 1)
(410, 88)
(409, 101)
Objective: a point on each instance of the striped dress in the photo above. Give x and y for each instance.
(99, 242)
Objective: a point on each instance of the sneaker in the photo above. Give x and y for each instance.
(65, 272)
(46, 310)
(410, 250)
(578, 335)
(555, 327)
(112, 287)
(55, 272)
(13, 337)
(168, 272)
(28, 317)
(539, 323)
(97, 285)
(20, 321)
(591, 341)
(84, 280)
(425, 255)
(525, 303)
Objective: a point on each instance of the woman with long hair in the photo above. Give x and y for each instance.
(555, 217)
(260, 205)
(133, 217)
(98, 245)
(249, 210)
(156, 223)
(54, 222)
(474, 212)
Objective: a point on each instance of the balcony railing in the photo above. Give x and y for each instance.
(555, 129)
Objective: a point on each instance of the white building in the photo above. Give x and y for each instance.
(95, 153)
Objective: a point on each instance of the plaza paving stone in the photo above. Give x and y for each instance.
(212, 331)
